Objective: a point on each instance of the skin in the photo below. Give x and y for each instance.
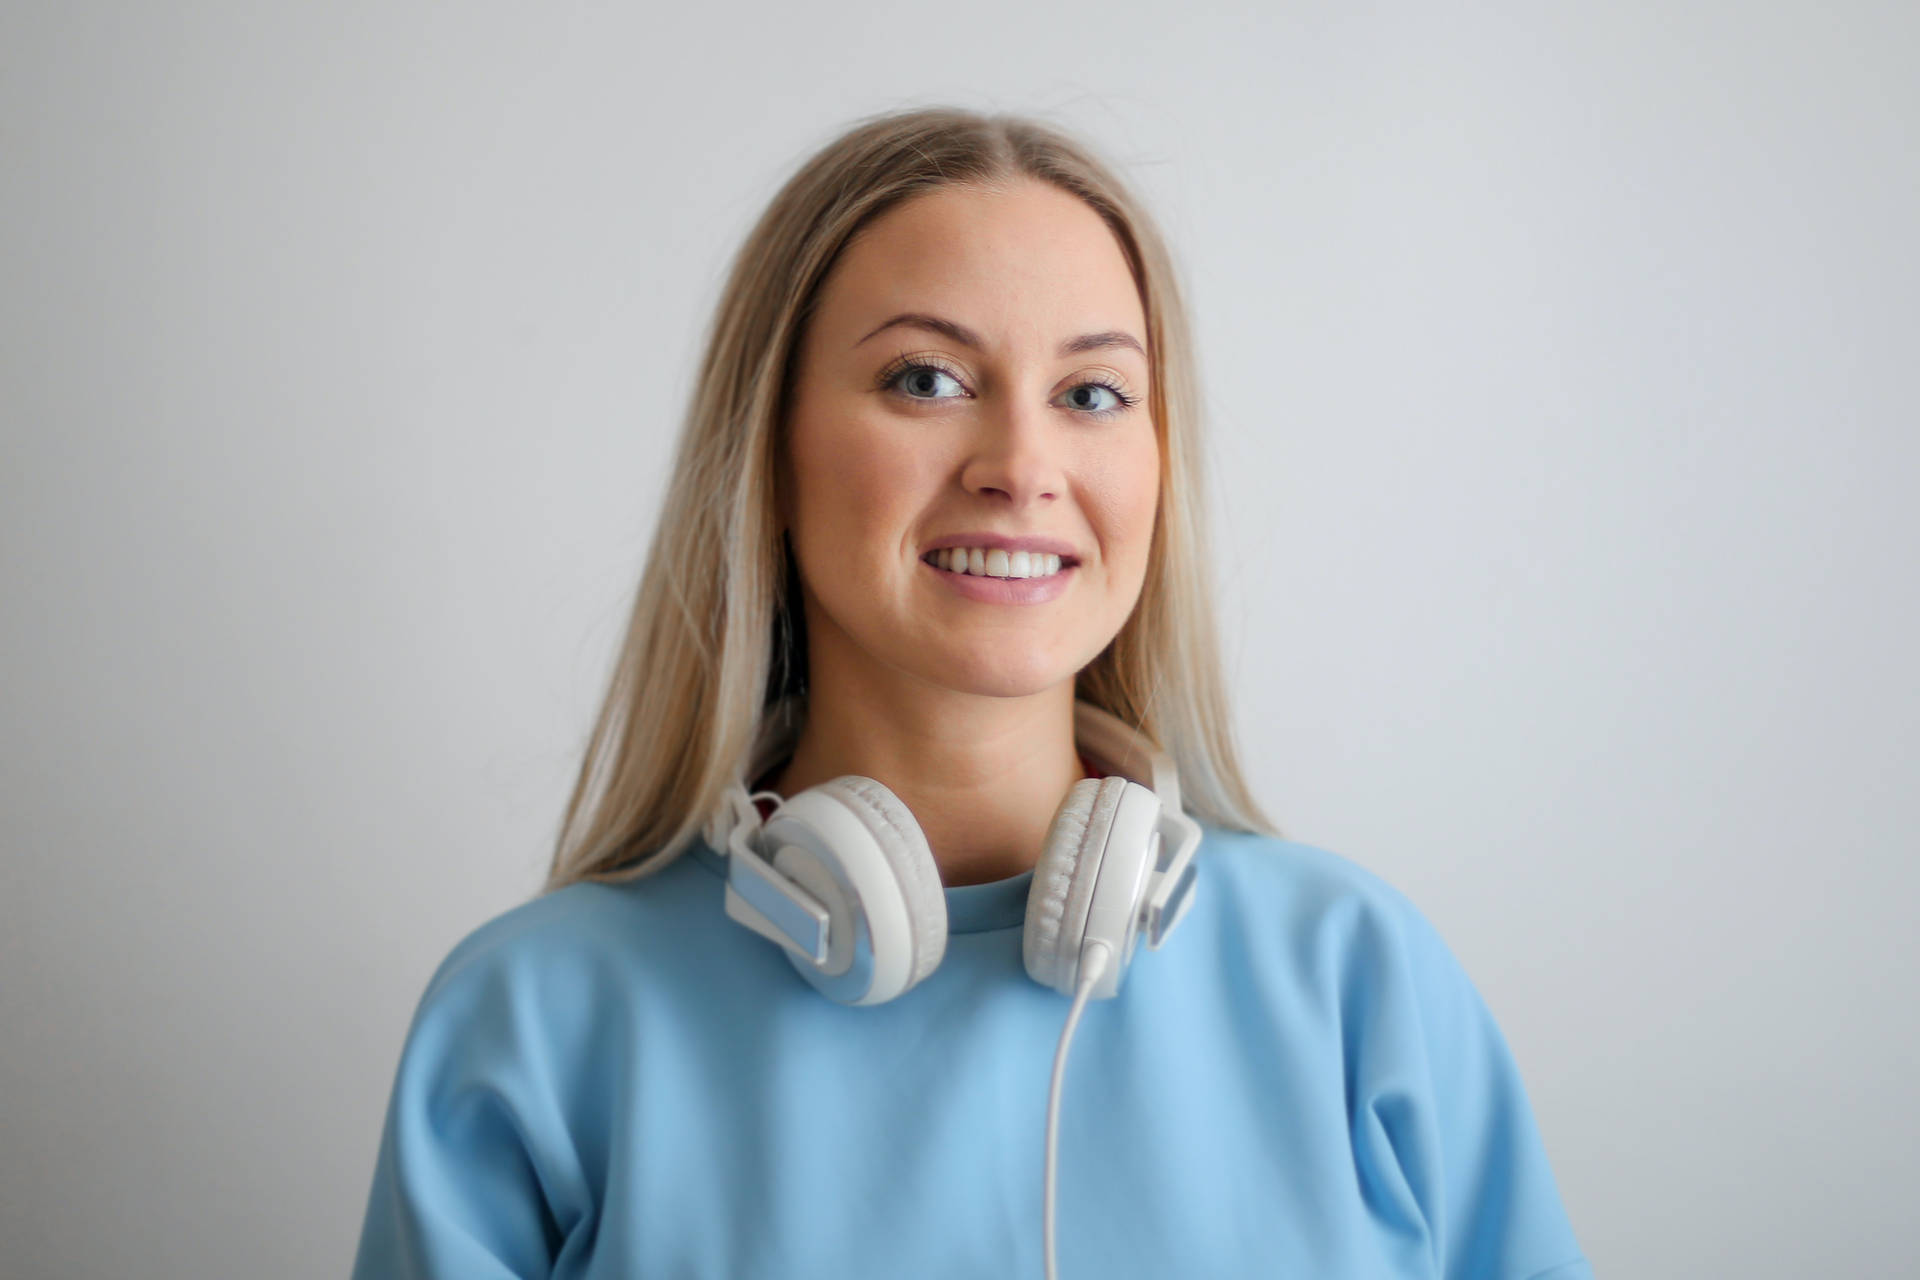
(964, 709)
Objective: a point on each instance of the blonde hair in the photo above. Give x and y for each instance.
(716, 633)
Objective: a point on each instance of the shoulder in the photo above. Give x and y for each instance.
(1258, 872)
(546, 1003)
(567, 950)
(1326, 913)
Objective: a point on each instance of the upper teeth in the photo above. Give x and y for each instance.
(997, 563)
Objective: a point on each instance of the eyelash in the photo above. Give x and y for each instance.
(890, 377)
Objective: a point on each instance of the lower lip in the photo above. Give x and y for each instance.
(1003, 590)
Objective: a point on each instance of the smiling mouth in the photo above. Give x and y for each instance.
(990, 590)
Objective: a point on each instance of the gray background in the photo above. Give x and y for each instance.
(1561, 368)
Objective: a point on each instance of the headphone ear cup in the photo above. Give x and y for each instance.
(1063, 882)
(909, 860)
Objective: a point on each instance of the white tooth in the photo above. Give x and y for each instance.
(996, 563)
(976, 560)
(947, 556)
(1019, 565)
(1053, 564)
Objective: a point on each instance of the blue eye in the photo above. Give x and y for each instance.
(1079, 395)
(921, 381)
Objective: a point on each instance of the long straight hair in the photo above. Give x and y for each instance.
(717, 633)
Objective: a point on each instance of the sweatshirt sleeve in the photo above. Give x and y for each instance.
(1443, 1129)
(475, 1176)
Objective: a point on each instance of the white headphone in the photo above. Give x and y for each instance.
(840, 874)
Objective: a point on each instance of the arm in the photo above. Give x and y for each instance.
(475, 1178)
(1442, 1126)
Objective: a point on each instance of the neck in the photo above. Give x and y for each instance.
(982, 775)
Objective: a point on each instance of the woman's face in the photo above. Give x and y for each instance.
(973, 371)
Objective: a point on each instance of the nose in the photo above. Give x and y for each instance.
(1016, 455)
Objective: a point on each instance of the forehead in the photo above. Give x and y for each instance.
(1026, 263)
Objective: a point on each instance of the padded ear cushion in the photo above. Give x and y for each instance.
(905, 848)
(1063, 881)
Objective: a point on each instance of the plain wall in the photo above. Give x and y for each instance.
(1560, 366)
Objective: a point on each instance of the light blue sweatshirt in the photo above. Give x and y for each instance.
(619, 1081)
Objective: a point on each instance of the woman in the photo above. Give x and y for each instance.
(930, 576)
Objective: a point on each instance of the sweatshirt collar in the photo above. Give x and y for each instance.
(996, 904)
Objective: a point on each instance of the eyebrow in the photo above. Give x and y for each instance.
(968, 338)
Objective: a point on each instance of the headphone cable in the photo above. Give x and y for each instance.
(1093, 965)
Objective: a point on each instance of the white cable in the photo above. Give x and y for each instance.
(1092, 966)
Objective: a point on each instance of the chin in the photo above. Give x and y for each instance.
(988, 681)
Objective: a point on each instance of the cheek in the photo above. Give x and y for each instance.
(854, 484)
(1128, 495)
